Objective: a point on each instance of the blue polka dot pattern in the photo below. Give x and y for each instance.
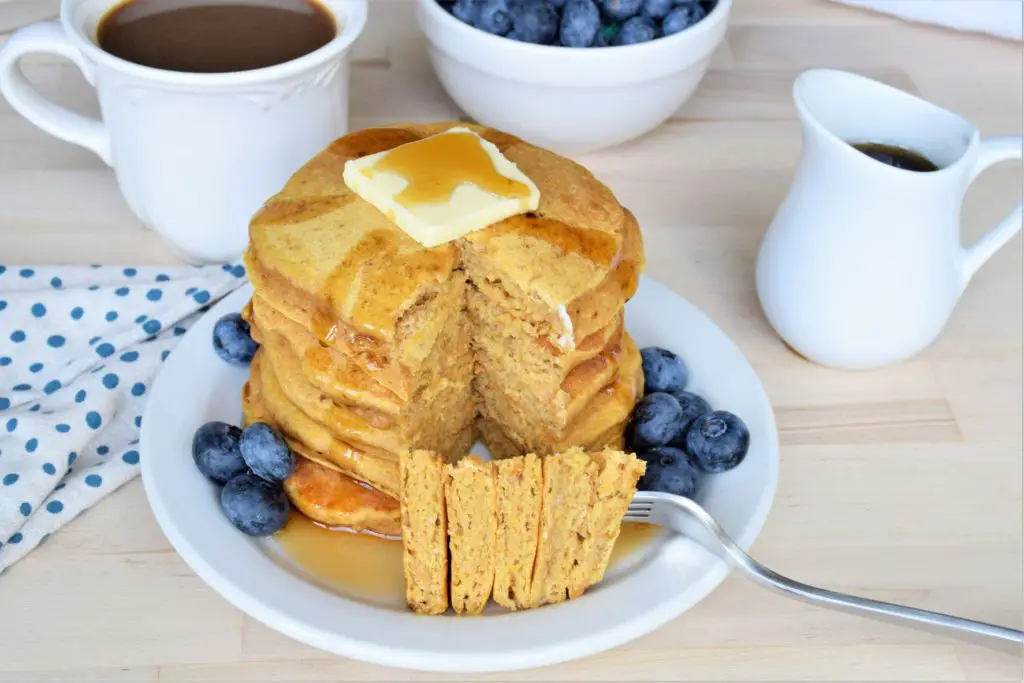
(15, 538)
(66, 401)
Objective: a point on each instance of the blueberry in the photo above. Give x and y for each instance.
(557, 4)
(533, 21)
(467, 11)
(620, 10)
(718, 441)
(636, 30)
(606, 35)
(670, 470)
(682, 17)
(256, 507)
(656, 9)
(580, 23)
(693, 406)
(266, 453)
(231, 340)
(216, 453)
(494, 17)
(655, 421)
(663, 370)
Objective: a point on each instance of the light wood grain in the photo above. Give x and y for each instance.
(903, 484)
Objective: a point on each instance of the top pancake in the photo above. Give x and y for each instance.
(353, 268)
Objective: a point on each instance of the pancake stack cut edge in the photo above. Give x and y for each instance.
(523, 532)
(372, 345)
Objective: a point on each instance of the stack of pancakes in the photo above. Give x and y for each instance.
(372, 344)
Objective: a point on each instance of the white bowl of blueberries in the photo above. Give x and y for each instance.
(572, 75)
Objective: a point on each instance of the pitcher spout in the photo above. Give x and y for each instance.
(846, 108)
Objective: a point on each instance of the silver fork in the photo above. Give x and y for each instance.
(684, 516)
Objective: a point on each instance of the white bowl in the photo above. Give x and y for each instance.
(569, 99)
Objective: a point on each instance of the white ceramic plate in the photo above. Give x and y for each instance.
(637, 596)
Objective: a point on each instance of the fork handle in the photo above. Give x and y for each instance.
(887, 611)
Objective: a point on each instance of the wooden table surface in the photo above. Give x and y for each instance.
(903, 484)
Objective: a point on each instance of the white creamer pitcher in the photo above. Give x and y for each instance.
(862, 265)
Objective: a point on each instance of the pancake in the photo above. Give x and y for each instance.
(374, 467)
(600, 421)
(333, 499)
(341, 257)
(373, 345)
(320, 490)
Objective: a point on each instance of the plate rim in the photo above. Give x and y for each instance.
(403, 657)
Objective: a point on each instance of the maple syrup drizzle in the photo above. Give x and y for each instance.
(434, 166)
(360, 565)
(370, 566)
(593, 245)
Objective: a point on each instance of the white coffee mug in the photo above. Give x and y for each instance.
(195, 154)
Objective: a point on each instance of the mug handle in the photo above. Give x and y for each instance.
(48, 38)
(992, 151)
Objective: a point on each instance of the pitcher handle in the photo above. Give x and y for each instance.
(992, 151)
(47, 37)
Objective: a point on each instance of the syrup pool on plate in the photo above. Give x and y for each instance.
(367, 567)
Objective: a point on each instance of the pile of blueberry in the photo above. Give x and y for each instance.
(580, 23)
(249, 464)
(677, 433)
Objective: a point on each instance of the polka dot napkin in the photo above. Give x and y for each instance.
(79, 348)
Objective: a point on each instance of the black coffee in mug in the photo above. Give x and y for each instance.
(206, 36)
(900, 157)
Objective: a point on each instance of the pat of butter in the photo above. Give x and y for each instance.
(442, 187)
